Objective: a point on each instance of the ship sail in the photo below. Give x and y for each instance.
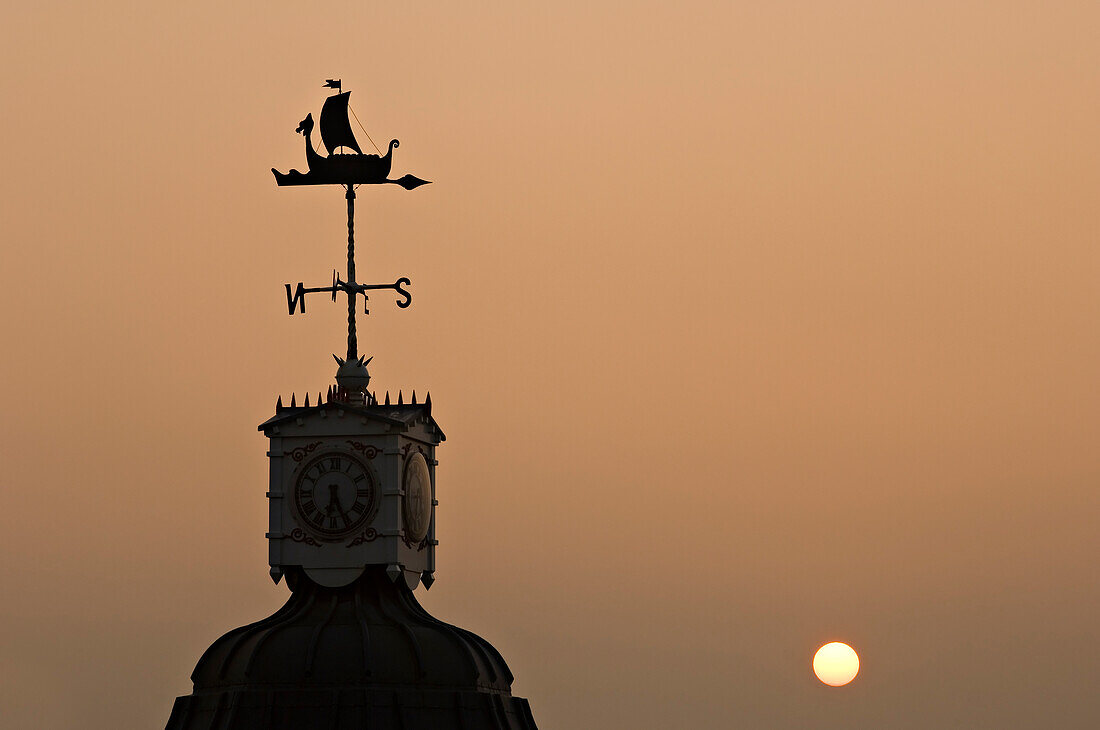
(335, 127)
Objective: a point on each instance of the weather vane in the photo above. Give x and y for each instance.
(349, 169)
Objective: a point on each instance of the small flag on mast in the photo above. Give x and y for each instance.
(332, 84)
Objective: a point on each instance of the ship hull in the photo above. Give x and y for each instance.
(342, 177)
(340, 170)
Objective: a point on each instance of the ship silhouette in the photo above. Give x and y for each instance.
(342, 168)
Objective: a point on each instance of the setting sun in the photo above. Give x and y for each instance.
(836, 664)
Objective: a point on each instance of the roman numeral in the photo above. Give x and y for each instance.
(308, 507)
(358, 478)
(334, 464)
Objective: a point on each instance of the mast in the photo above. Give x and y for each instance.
(335, 125)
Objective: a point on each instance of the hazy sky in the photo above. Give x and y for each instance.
(752, 326)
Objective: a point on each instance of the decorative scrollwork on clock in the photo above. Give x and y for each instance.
(407, 447)
(302, 452)
(299, 535)
(368, 535)
(418, 546)
(368, 450)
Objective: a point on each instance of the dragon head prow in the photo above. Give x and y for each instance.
(306, 125)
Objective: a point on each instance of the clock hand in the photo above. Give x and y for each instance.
(334, 508)
(333, 501)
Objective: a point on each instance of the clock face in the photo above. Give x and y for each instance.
(335, 495)
(418, 498)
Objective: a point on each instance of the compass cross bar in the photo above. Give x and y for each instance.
(296, 296)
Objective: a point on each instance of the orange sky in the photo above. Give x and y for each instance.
(752, 326)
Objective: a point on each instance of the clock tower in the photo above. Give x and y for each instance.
(352, 502)
(352, 485)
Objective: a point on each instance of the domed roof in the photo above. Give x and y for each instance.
(366, 655)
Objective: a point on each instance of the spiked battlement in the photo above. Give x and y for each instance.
(399, 416)
(338, 395)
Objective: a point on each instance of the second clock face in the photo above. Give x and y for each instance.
(418, 498)
(335, 495)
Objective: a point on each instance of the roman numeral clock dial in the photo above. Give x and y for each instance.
(334, 496)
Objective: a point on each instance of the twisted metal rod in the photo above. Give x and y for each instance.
(353, 346)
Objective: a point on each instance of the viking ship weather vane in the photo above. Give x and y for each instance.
(350, 171)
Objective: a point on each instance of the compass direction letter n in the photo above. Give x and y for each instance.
(296, 299)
